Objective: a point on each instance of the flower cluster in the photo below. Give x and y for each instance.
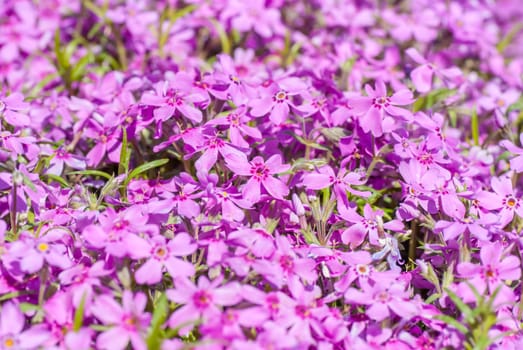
(265, 174)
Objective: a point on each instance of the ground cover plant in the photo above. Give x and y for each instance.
(265, 174)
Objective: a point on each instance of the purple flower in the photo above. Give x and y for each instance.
(277, 100)
(422, 75)
(11, 107)
(12, 334)
(200, 302)
(504, 199)
(165, 254)
(381, 299)
(260, 173)
(128, 321)
(378, 111)
(516, 163)
(341, 182)
(493, 269)
(171, 97)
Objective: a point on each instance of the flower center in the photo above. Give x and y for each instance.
(500, 102)
(381, 102)
(9, 342)
(235, 79)
(160, 252)
(130, 322)
(280, 96)
(362, 269)
(43, 247)
(510, 202)
(259, 171)
(383, 296)
(202, 299)
(286, 262)
(302, 311)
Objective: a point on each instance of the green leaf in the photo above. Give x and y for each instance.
(474, 125)
(79, 314)
(58, 179)
(8, 296)
(79, 70)
(452, 322)
(27, 307)
(125, 155)
(146, 167)
(462, 307)
(429, 100)
(161, 309)
(224, 38)
(507, 39)
(59, 53)
(432, 298)
(92, 173)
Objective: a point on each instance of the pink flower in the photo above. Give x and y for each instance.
(129, 321)
(12, 335)
(260, 173)
(341, 182)
(277, 100)
(493, 270)
(516, 163)
(504, 199)
(381, 299)
(200, 302)
(422, 75)
(11, 107)
(165, 254)
(378, 111)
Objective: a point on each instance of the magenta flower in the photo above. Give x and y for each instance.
(200, 302)
(11, 108)
(422, 75)
(60, 157)
(341, 182)
(12, 334)
(381, 299)
(277, 100)
(34, 253)
(504, 199)
(165, 254)
(378, 111)
(365, 226)
(177, 195)
(128, 321)
(238, 128)
(211, 147)
(171, 97)
(516, 163)
(285, 264)
(117, 233)
(82, 281)
(493, 269)
(260, 173)
(107, 141)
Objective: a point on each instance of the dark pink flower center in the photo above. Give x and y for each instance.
(381, 102)
(259, 171)
(287, 262)
(214, 143)
(302, 311)
(129, 322)
(383, 297)
(202, 299)
(280, 96)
